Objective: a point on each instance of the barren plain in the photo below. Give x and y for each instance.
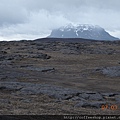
(59, 77)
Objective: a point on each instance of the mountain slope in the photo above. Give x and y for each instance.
(82, 31)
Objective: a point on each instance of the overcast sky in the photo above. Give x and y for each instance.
(30, 19)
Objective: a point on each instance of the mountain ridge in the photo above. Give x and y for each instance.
(85, 31)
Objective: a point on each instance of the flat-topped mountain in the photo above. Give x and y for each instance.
(85, 31)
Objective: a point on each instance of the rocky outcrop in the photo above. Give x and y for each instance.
(83, 98)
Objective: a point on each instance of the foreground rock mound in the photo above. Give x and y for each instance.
(84, 98)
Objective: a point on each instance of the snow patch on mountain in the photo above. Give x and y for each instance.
(86, 31)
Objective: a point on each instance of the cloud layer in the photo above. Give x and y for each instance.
(30, 19)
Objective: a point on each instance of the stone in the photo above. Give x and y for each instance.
(40, 69)
(96, 96)
(12, 57)
(109, 94)
(91, 96)
(40, 48)
(117, 98)
(84, 95)
(76, 98)
(10, 86)
(2, 58)
(112, 71)
(3, 52)
(87, 104)
(2, 88)
(26, 100)
(40, 56)
(109, 71)
(4, 101)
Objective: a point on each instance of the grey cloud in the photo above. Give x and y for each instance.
(39, 17)
(11, 13)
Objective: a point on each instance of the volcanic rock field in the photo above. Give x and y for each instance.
(59, 77)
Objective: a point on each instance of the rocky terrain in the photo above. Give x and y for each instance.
(59, 77)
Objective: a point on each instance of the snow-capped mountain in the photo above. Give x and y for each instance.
(82, 31)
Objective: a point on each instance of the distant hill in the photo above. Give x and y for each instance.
(85, 31)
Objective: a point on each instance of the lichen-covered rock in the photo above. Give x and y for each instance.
(109, 71)
(112, 71)
(40, 56)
